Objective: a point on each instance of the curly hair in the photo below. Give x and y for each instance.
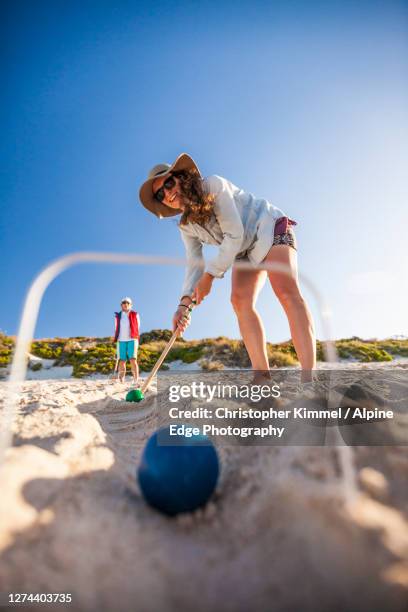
(198, 203)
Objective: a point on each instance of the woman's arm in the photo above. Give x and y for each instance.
(230, 222)
(194, 271)
(195, 263)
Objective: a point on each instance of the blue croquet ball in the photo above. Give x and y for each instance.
(178, 473)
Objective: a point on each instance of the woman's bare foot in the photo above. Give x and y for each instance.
(262, 377)
(306, 376)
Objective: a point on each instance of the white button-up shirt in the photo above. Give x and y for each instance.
(242, 226)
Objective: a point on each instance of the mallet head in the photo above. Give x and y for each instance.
(134, 395)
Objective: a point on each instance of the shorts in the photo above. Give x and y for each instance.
(127, 349)
(284, 233)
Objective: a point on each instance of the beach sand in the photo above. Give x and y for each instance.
(281, 532)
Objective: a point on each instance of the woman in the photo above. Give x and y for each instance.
(214, 211)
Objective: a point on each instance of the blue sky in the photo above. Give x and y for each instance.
(302, 103)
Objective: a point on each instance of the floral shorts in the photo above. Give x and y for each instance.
(284, 233)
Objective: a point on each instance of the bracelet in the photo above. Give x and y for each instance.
(185, 305)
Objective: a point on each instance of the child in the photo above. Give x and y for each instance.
(127, 325)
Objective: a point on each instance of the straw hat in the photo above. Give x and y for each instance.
(183, 162)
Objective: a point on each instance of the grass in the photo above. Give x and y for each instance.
(90, 355)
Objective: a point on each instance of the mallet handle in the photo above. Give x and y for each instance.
(163, 356)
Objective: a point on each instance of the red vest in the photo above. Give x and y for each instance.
(134, 326)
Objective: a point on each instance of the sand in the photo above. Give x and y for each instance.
(281, 533)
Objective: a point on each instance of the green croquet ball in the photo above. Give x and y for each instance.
(134, 395)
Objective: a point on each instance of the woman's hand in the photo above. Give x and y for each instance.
(181, 319)
(203, 287)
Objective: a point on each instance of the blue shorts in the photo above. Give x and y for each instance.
(127, 350)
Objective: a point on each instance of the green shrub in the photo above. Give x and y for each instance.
(157, 334)
(211, 366)
(88, 355)
(231, 353)
(6, 350)
(83, 369)
(284, 347)
(187, 354)
(147, 359)
(46, 350)
(36, 366)
(280, 359)
(361, 351)
(4, 361)
(394, 347)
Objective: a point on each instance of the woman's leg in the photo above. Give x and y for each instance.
(246, 285)
(287, 290)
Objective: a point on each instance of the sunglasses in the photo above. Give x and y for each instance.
(125, 302)
(168, 184)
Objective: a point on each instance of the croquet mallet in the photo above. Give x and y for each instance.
(166, 349)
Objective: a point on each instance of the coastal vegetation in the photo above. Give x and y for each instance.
(97, 355)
